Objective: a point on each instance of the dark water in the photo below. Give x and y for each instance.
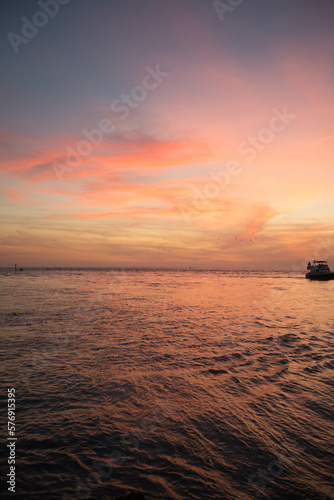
(178, 384)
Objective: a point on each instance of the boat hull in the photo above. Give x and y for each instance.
(320, 277)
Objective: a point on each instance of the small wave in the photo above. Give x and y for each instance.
(288, 338)
(217, 372)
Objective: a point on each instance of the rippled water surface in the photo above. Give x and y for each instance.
(178, 384)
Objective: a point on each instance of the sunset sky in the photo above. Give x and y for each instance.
(167, 133)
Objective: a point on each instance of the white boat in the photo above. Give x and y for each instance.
(319, 270)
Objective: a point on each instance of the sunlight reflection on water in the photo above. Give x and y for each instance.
(191, 384)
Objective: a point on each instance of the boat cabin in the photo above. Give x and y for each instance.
(318, 267)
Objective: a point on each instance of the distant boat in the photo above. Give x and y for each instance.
(319, 270)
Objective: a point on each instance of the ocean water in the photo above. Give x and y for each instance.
(180, 384)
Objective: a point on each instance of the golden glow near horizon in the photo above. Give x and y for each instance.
(169, 137)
